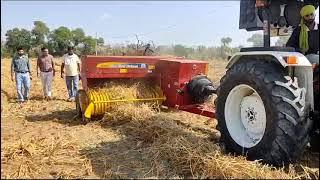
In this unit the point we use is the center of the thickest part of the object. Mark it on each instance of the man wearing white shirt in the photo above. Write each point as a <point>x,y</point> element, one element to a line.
<point>71,65</point>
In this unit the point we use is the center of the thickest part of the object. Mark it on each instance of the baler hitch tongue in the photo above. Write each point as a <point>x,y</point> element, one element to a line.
<point>100,101</point>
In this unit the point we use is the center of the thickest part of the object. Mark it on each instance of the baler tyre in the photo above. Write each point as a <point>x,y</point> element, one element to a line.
<point>78,109</point>
<point>81,94</point>
<point>276,99</point>
<point>85,120</point>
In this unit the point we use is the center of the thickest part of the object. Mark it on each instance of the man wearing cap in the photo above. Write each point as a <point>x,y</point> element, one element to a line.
<point>305,38</point>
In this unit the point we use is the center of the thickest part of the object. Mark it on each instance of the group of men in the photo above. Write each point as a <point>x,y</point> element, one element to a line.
<point>305,39</point>
<point>21,73</point>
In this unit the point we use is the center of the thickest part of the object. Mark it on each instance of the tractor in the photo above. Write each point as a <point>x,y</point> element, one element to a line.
<point>267,103</point>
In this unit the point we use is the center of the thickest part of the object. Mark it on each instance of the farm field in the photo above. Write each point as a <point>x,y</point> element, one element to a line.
<point>44,139</point>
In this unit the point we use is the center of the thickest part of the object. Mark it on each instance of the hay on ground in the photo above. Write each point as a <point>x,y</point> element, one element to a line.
<point>189,155</point>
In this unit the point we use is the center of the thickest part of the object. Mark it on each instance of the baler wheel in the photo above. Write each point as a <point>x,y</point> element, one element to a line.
<point>81,104</point>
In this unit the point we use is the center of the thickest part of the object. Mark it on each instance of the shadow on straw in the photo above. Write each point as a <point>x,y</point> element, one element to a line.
<point>9,97</point>
<point>41,98</point>
<point>67,117</point>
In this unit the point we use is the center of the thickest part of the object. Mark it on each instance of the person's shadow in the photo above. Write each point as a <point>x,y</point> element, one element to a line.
<point>67,117</point>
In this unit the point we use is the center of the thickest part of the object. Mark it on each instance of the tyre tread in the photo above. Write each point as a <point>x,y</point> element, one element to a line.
<point>289,139</point>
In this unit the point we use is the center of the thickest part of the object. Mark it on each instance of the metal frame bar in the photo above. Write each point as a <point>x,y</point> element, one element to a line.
<point>199,109</point>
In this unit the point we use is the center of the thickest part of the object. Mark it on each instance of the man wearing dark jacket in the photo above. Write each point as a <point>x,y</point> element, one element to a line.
<point>305,38</point>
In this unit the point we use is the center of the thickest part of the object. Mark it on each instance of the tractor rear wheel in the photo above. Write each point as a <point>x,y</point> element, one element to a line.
<point>261,113</point>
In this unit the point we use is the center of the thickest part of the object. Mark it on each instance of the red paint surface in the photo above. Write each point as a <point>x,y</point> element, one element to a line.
<point>170,73</point>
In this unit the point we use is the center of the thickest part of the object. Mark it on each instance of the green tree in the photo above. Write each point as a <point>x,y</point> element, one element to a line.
<point>226,41</point>
<point>256,40</point>
<point>88,45</point>
<point>4,50</point>
<point>60,39</point>
<point>224,49</point>
<point>18,38</point>
<point>100,41</point>
<point>78,36</point>
<point>180,50</point>
<point>39,33</point>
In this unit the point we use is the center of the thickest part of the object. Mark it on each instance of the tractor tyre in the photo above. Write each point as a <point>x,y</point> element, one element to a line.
<point>315,133</point>
<point>261,113</point>
<point>314,141</point>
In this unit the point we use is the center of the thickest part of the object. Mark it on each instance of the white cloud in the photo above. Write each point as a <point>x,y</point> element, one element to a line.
<point>105,16</point>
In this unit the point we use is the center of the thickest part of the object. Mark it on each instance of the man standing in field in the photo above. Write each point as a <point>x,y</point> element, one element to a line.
<point>21,68</point>
<point>71,65</point>
<point>46,65</point>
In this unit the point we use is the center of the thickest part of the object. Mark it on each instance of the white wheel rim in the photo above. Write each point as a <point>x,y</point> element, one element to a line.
<point>245,116</point>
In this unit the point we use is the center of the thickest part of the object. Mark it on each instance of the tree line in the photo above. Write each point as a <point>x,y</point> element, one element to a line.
<point>59,39</point>
<point>56,40</point>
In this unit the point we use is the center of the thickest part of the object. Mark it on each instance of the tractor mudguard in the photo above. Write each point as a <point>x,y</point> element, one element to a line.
<point>302,68</point>
<point>276,56</point>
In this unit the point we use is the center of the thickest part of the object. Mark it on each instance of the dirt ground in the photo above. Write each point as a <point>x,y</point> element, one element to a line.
<point>44,139</point>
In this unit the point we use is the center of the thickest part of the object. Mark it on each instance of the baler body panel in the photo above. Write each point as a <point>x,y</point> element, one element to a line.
<point>175,74</point>
<point>171,74</point>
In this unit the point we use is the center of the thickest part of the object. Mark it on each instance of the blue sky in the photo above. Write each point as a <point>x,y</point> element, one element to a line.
<point>164,22</point>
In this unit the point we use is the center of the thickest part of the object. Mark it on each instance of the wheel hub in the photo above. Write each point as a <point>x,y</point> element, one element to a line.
<point>252,114</point>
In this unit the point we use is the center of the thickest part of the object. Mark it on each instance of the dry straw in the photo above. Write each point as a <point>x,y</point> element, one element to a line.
<point>191,156</point>
<point>169,146</point>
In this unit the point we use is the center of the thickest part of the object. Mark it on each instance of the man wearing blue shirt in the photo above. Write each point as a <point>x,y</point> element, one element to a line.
<point>21,68</point>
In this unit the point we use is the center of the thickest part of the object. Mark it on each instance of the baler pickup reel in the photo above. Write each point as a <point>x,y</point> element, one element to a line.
<point>95,102</point>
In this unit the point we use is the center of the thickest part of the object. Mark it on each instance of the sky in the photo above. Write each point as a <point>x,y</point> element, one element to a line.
<point>164,22</point>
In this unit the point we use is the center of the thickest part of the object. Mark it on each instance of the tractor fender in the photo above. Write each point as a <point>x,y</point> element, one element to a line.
<point>276,56</point>
<point>302,69</point>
